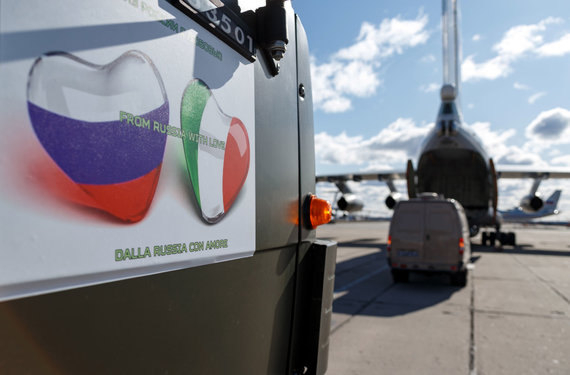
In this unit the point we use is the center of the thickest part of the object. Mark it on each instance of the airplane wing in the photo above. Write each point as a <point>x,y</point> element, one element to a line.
<point>525,172</point>
<point>349,202</point>
<point>376,176</point>
<point>502,172</point>
<point>531,202</point>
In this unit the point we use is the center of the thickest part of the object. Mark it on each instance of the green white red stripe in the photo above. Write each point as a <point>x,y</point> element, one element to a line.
<point>216,148</point>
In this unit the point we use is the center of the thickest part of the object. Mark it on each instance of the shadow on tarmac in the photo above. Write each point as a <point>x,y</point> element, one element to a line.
<point>374,292</point>
<point>523,249</point>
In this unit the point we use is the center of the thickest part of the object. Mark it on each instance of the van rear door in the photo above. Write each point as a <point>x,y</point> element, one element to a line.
<point>442,233</point>
<point>407,232</point>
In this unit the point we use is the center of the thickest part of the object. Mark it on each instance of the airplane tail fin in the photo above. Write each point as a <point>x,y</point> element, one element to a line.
<point>451,44</point>
<point>552,201</point>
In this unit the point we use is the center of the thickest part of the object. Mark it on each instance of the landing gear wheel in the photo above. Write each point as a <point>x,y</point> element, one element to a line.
<point>492,239</point>
<point>400,276</point>
<point>502,238</point>
<point>511,239</point>
<point>459,278</point>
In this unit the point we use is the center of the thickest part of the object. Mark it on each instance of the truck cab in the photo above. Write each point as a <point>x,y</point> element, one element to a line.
<point>157,173</point>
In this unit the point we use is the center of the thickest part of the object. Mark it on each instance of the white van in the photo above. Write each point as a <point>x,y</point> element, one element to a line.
<point>429,234</point>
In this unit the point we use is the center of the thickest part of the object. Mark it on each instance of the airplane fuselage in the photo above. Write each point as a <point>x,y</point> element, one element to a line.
<point>453,162</point>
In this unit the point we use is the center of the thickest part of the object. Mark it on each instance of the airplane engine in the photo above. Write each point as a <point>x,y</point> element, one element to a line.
<point>392,199</point>
<point>531,203</point>
<point>350,203</point>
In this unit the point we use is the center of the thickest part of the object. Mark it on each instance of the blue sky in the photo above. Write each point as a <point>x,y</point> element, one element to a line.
<point>376,71</point>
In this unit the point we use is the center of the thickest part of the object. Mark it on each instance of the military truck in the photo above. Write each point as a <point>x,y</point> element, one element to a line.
<point>157,172</point>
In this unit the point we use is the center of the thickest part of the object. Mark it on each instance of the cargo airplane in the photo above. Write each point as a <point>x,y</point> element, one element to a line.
<point>452,160</point>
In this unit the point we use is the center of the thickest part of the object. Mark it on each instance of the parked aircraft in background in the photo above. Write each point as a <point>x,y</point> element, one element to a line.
<point>517,214</point>
<point>452,159</point>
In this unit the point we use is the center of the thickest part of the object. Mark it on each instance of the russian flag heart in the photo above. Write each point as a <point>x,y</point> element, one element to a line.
<point>75,108</point>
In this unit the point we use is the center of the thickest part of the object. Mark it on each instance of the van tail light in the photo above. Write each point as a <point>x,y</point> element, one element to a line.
<point>389,244</point>
<point>461,246</point>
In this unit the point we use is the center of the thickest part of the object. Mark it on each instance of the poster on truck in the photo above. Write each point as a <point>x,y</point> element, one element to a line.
<point>126,145</point>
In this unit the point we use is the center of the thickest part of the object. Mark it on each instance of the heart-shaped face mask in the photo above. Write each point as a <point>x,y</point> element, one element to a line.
<point>216,148</point>
<point>96,123</point>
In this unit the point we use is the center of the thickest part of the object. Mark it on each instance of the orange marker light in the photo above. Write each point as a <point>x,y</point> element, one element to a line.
<point>389,244</point>
<point>461,246</point>
<point>320,211</point>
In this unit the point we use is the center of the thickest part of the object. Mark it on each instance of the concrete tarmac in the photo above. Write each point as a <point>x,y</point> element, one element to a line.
<point>513,317</point>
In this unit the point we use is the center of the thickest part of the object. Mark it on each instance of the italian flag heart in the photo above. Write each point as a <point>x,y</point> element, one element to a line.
<point>216,149</point>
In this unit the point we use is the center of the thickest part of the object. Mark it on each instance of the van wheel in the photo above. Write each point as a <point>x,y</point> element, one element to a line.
<point>484,238</point>
<point>400,276</point>
<point>458,278</point>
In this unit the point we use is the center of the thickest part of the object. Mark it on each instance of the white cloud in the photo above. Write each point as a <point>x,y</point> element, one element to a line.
<point>490,69</point>
<point>336,105</point>
<point>496,144</point>
<point>402,134</point>
<point>357,79</point>
<point>391,147</point>
<point>520,86</point>
<point>353,71</point>
<point>518,42</point>
<point>476,38</point>
<point>492,140</point>
<point>533,98</point>
<point>390,37</point>
<point>562,160</point>
<point>432,87</point>
<point>521,39</point>
<point>514,155</point>
<point>340,149</point>
<point>549,128</point>
<point>399,141</point>
<point>559,47</point>
<point>333,82</point>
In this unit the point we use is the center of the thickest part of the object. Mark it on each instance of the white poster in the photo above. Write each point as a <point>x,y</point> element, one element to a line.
<point>127,144</point>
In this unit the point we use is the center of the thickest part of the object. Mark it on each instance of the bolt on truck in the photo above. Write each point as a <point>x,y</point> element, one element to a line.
<point>157,173</point>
